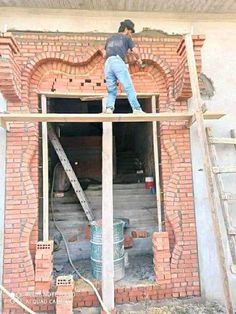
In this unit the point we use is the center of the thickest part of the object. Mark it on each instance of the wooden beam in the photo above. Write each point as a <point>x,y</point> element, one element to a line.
<point>197,102</point>
<point>5,125</point>
<point>107,218</point>
<point>94,96</point>
<point>233,134</point>
<point>193,119</point>
<point>156,163</point>
<point>45,170</point>
<point>228,196</point>
<point>224,169</point>
<point>222,140</point>
<point>103,117</point>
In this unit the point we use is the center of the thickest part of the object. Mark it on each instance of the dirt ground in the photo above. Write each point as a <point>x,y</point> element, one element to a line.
<point>170,306</point>
<point>210,308</point>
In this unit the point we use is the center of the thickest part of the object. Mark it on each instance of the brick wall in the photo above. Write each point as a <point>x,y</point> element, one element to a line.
<point>74,63</point>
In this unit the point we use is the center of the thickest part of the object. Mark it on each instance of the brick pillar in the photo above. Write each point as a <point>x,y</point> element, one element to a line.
<point>65,286</point>
<point>10,80</point>
<point>43,265</point>
<point>161,251</point>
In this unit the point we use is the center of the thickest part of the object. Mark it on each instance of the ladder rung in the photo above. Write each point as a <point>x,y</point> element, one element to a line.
<point>231,230</point>
<point>233,268</point>
<point>224,169</point>
<point>70,173</point>
<point>228,196</point>
<point>222,140</point>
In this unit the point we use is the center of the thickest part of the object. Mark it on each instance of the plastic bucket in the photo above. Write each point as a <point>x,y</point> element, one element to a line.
<point>149,183</point>
<point>118,247</point>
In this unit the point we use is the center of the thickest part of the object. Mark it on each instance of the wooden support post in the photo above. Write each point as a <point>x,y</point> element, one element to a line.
<point>104,103</point>
<point>156,163</point>
<point>107,218</point>
<point>45,170</point>
<point>197,102</point>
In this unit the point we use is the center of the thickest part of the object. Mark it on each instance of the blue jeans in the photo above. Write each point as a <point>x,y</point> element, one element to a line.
<point>116,70</point>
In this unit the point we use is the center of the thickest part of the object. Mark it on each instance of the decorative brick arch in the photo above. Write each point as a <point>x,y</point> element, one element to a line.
<point>158,79</point>
<point>31,71</point>
<point>160,63</point>
<point>157,66</point>
<point>43,70</point>
<point>81,55</point>
<point>39,69</point>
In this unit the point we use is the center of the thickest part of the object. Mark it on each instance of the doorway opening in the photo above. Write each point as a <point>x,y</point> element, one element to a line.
<point>132,161</point>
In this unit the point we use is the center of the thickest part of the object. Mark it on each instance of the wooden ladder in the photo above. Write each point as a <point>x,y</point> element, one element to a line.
<point>70,173</point>
<point>225,197</point>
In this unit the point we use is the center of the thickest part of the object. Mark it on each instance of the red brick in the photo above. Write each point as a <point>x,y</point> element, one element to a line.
<point>128,241</point>
<point>139,234</point>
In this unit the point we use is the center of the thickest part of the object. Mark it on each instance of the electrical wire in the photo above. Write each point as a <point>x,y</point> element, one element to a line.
<point>11,296</point>
<point>67,248</point>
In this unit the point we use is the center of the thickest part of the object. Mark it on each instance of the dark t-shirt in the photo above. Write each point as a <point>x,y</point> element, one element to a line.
<point>118,44</point>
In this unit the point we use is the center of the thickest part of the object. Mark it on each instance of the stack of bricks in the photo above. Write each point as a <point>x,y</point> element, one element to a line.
<point>140,234</point>
<point>87,232</point>
<point>128,241</point>
<point>64,294</point>
<point>43,266</point>
<point>161,251</point>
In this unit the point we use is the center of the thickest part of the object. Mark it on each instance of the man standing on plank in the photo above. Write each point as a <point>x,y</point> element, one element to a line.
<point>115,68</point>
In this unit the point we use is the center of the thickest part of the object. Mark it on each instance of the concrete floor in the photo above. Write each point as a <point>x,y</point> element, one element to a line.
<point>140,269</point>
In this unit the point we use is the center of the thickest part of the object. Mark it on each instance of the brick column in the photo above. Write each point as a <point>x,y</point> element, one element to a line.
<point>161,251</point>
<point>43,265</point>
<point>10,80</point>
<point>65,286</point>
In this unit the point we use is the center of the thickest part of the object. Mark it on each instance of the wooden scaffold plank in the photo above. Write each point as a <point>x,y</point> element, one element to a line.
<point>103,117</point>
<point>94,96</point>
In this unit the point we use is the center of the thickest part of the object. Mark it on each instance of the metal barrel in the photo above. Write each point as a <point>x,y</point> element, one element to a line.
<point>118,247</point>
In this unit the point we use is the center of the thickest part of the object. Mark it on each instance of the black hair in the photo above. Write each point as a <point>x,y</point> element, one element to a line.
<point>126,24</point>
<point>122,27</point>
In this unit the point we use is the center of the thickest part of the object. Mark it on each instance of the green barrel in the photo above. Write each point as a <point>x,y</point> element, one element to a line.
<point>118,246</point>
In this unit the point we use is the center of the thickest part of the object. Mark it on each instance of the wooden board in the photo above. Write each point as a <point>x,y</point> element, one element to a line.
<point>228,196</point>
<point>45,171</point>
<point>222,140</point>
<point>224,169</point>
<point>156,164</point>
<point>107,218</point>
<point>95,96</point>
<point>84,118</point>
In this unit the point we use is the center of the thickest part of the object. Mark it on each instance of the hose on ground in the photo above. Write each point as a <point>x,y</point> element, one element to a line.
<point>67,248</point>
